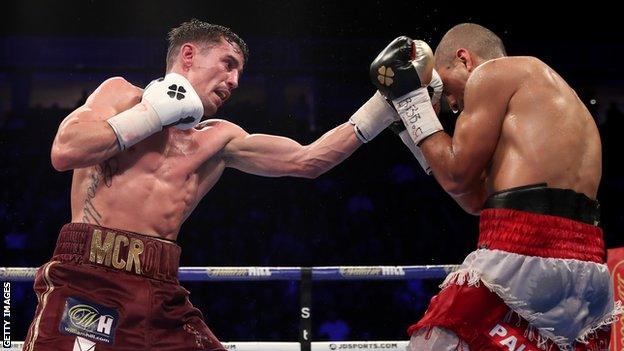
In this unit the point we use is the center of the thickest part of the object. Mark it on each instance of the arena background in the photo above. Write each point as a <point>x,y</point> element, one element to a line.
<point>307,73</point>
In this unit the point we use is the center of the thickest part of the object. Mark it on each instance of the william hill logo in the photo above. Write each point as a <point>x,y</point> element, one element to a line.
<point>372,271</point>
<point>89,320</point>
<point>239,272</point>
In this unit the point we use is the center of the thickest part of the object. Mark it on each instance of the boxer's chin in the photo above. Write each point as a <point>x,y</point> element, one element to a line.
<point>210,109</point>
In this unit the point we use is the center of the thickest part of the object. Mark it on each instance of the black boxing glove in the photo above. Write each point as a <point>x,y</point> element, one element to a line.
<point>401,72</point>
<point>403,66</point>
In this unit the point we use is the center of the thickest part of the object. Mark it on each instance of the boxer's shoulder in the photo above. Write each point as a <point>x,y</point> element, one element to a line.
<point>216,123</point>
<point>511,66</point>
<point>116,90</point>
<point>517,71</point>
<point>119,85</point>
<point>223,128</point>
<point>500,73</point>
<point>496,67</point>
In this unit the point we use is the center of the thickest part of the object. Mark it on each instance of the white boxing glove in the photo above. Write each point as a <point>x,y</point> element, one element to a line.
<point>373,117</point>
<point>175,101</point>
<point>168,101</point>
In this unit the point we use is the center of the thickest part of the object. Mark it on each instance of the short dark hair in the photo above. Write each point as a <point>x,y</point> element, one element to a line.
<point>478,39</point>
<point>196,31</point>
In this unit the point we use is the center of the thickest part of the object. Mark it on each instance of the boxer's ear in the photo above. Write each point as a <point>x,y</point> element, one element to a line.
<point>187,53</point>
<point>465,58</point>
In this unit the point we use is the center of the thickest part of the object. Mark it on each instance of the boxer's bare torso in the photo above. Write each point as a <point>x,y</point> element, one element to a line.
<point>521,124</point>
<point>152,187</point>
<point>548,135</point>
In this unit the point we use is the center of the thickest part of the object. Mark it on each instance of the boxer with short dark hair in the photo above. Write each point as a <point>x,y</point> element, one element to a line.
<point>525,156</point>
<point>208,34</point>
<point>141,162</point>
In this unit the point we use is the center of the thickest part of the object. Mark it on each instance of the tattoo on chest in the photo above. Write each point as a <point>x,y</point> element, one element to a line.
<point>107,170</point>
<point>103,173</point>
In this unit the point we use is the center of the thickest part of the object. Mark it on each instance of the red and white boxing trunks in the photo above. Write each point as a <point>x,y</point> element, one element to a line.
<point>537,282</point>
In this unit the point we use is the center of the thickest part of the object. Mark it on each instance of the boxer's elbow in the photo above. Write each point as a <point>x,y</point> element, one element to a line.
<point>472,209</point>
<point>470,198</point>
<point>454,186</point>
<point>60,162</point>
<point>459,182</point>
<point>62,154</point>
<point>66,157</point>
<point>471,203</point>
<point>61,158</point>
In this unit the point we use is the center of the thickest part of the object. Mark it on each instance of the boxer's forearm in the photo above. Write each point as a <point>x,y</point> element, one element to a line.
<point>329,150</point>
<point>452,173</point>
<point>83,143</point>
<point>275,156</point>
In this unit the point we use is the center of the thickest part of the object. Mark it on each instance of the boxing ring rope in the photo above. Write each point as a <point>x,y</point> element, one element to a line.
<point>305,275</point>
<point>220,274</point>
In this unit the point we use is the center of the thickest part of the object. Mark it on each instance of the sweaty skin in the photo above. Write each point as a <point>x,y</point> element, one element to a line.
<point>520,124</point>
<point>152,187</point>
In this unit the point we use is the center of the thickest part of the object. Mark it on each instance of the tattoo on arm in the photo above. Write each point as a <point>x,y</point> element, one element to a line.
<point>103,172</point>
